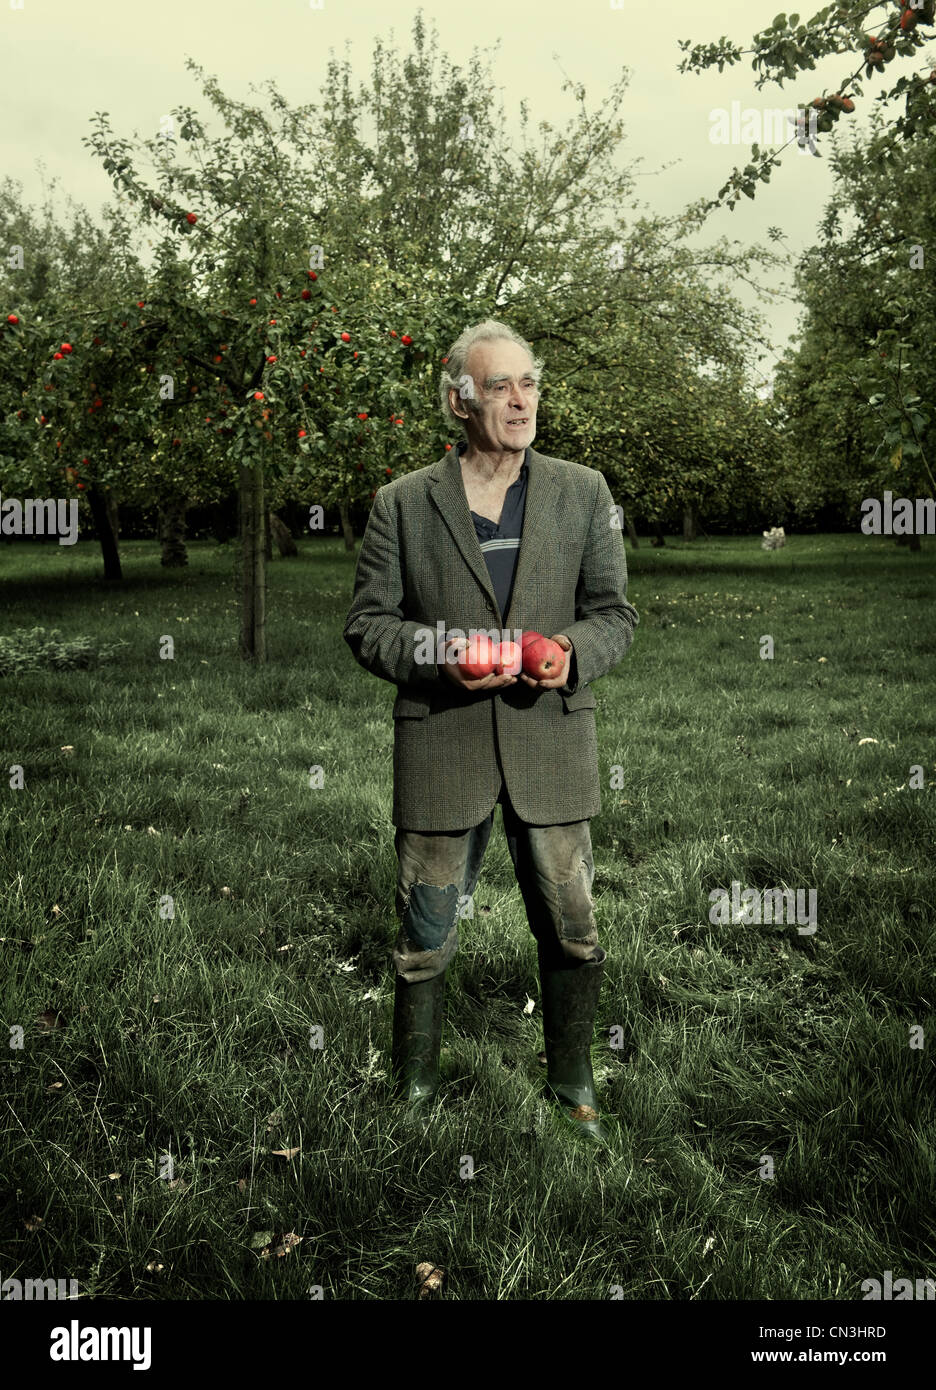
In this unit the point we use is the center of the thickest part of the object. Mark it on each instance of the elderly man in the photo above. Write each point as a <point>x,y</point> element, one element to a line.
<point>493,538</point>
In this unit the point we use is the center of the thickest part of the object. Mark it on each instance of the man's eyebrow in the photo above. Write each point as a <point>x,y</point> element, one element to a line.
<point>493,380</point>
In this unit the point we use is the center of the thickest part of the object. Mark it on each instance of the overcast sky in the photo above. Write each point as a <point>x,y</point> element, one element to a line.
<point>64,60</point>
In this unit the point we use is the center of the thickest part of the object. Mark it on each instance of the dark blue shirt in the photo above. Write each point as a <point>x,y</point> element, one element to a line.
<point>500,541</point>
<point>500,544</point>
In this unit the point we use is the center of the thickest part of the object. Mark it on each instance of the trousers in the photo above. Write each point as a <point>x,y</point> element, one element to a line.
<point>438,872</point>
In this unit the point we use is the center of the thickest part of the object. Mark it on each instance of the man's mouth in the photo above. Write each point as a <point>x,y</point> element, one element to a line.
<point>525,421</point>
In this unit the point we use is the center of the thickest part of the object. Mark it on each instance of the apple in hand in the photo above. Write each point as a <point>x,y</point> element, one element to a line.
<point>509,659</point>
<point>528,637</point>
<point>543,659</point>
<point>478,659</point>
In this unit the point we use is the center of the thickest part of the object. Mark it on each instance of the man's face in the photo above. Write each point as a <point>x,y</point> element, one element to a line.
<point>507,395</point>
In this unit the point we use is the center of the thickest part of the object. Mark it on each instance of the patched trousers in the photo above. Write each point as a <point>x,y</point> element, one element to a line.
<point>438,872</point>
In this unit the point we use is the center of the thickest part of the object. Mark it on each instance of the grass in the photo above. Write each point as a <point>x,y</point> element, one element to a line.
<point>181,907</point>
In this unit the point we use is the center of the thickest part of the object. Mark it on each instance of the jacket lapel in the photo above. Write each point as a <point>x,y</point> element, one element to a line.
<point>447,492</point>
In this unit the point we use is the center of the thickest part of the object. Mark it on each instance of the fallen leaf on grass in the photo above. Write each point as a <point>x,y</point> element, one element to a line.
<point>284,1153</point>
<point>49,1020</point>
<point>33,1223</point>
<point>429,1278</point>
<point>275,1245</point>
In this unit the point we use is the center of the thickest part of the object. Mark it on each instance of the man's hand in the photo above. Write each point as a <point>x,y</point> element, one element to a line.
<point>451,669</point>
<point>554,682</point>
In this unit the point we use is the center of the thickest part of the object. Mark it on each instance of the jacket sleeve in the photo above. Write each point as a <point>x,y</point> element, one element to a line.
<point>382,641</point>
<point>604,621</point>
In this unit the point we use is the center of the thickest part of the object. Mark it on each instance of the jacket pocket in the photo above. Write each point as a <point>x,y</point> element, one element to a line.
<point>411,707</point>
<point>580,699</point>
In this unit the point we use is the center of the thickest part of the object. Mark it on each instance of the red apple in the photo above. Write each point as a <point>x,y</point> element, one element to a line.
<point>477,660</point>
<point>509,659</point>
<point>66,347</point>
<point>406,340</point>
<point>528,637</point>
<point>543,659</point>
<point>12,318</point>
<point>346,337</point>
<point>191,218</point>
<point>306,294</point>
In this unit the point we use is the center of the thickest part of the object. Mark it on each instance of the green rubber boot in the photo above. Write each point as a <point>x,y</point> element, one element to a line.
<point>417,1042</point>
<point>570,1003</point>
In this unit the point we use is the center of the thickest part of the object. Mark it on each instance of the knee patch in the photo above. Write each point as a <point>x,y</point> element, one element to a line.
<point>430,914</point>
<point>576,913</point>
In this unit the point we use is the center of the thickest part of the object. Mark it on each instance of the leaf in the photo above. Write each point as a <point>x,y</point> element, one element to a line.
<point>49,1020</point>
<point>285,1153</point>
<point>429,1279</point>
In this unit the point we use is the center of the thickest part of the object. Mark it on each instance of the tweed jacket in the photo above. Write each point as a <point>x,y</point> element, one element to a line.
<point>420,572</point>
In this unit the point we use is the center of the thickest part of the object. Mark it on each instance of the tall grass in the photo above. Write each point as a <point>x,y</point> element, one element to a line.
<point>774,1125</point>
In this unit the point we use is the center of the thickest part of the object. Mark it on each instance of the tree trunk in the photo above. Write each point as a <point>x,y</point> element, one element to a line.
<point>632,533</point>
<point>105,535</point>
<point>346,527</point>
<point>282,535</point>
<point>250,571</point>
<point>658,537</point>
<point>689,522</point>
<point>267,536</point>
<point>113,512</point>
<point>172,511</point>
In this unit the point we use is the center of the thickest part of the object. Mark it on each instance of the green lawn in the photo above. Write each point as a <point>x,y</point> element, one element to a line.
<point>190,1032</point>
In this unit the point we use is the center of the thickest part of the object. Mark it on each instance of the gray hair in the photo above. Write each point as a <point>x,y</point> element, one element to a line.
<point>454,375</point>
